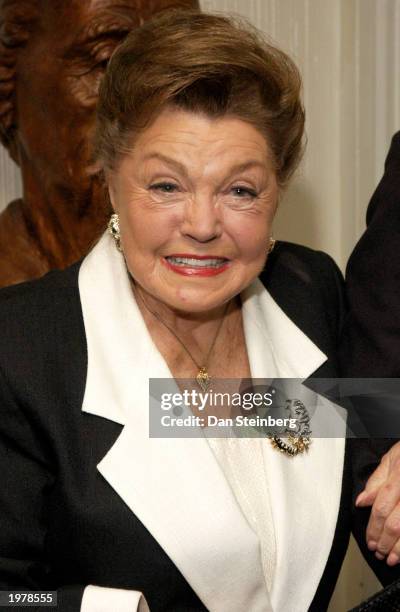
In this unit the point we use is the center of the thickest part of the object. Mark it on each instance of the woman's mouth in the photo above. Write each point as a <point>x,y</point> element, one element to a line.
<point>196,265</point>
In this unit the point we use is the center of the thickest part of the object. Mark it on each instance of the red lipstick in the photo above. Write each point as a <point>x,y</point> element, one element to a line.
<point>185,264</point>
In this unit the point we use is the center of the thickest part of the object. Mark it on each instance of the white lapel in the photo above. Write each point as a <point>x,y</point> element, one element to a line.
<point>305,489</point>
<point>174,486</point>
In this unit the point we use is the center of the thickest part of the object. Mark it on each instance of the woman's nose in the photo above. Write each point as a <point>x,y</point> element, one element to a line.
<point>202,219</point>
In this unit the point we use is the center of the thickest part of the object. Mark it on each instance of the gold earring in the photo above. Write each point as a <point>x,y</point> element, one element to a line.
<point>113,228</point>
<point>271,247</point>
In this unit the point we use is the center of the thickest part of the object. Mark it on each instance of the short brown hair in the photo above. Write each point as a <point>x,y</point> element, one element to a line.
<point>213,64</point>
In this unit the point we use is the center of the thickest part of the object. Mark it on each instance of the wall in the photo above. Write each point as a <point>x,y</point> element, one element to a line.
<point>10,180</point>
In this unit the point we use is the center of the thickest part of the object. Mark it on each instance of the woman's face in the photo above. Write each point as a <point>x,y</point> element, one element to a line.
<point>196,199</point>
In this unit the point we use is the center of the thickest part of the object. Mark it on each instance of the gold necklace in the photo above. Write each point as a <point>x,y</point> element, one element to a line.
<point>202,377</point>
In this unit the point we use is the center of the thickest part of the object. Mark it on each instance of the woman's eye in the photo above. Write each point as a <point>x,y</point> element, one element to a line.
<point>164,187</point>
<point>243,192</point>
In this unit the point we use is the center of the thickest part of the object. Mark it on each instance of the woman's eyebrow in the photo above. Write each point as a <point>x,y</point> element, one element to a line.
<point>167,160</point>
<point>240,167</point>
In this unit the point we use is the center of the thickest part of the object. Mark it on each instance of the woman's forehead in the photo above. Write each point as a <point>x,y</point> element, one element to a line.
<point>182,133</point>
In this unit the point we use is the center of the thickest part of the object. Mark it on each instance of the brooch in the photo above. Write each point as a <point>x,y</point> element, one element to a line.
<point>298,440</point>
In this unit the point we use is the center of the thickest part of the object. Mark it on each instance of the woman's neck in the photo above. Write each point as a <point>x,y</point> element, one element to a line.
<point>195,327</point>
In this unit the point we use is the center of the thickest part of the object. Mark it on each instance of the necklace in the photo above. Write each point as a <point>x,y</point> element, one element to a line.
<point>202,377</point>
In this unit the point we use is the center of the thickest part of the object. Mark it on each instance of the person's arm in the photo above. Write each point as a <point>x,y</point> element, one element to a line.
<point>27,473</point>
<point>370,340</point>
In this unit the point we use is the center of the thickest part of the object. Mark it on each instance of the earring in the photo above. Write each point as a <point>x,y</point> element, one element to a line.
<point>272,242</point>
<point>113,228</point>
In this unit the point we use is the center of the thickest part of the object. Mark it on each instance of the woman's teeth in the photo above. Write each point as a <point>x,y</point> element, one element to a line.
<point>196,263</point>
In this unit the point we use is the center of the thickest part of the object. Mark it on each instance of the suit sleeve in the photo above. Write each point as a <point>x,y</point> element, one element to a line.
<point>26,476</point>
<point>369,346</point>
<point>335,296</point>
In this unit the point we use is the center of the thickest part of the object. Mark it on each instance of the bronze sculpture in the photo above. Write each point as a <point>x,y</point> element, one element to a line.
<point>52,56</point>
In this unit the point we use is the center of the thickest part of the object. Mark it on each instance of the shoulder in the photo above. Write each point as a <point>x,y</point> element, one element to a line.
<point>301,260</point>
<point>294,271</point>
<point>39,294</point>
<point>309,287</point>
<point>42,326</point>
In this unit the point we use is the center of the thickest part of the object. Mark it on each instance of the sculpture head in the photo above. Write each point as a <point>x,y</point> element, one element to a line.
<point>52,57</point>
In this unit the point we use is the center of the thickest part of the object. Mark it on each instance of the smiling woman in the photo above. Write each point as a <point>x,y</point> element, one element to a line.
<point>195,149</point>
<point>199,127</point>
<point>196,198</point>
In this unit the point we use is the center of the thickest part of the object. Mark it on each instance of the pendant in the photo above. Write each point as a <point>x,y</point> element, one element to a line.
<point>203,379</point>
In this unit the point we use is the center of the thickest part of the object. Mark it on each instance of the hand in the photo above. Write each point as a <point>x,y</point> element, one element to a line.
<point>382,491</point>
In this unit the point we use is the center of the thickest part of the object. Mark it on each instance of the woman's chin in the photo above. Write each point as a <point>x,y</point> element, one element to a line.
<point>196,302</point>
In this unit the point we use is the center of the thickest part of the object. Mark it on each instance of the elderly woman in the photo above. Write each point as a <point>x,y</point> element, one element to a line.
<point>200,126</point>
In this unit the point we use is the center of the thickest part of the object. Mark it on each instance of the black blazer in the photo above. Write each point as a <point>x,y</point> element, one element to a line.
<point>62,525</point>
<point>371,334</point>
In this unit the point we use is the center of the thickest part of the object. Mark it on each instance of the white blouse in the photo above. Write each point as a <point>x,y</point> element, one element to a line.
<point>243,463</point>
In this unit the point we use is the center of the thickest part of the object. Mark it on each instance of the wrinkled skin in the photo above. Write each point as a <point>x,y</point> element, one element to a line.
<point>64,206</point>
